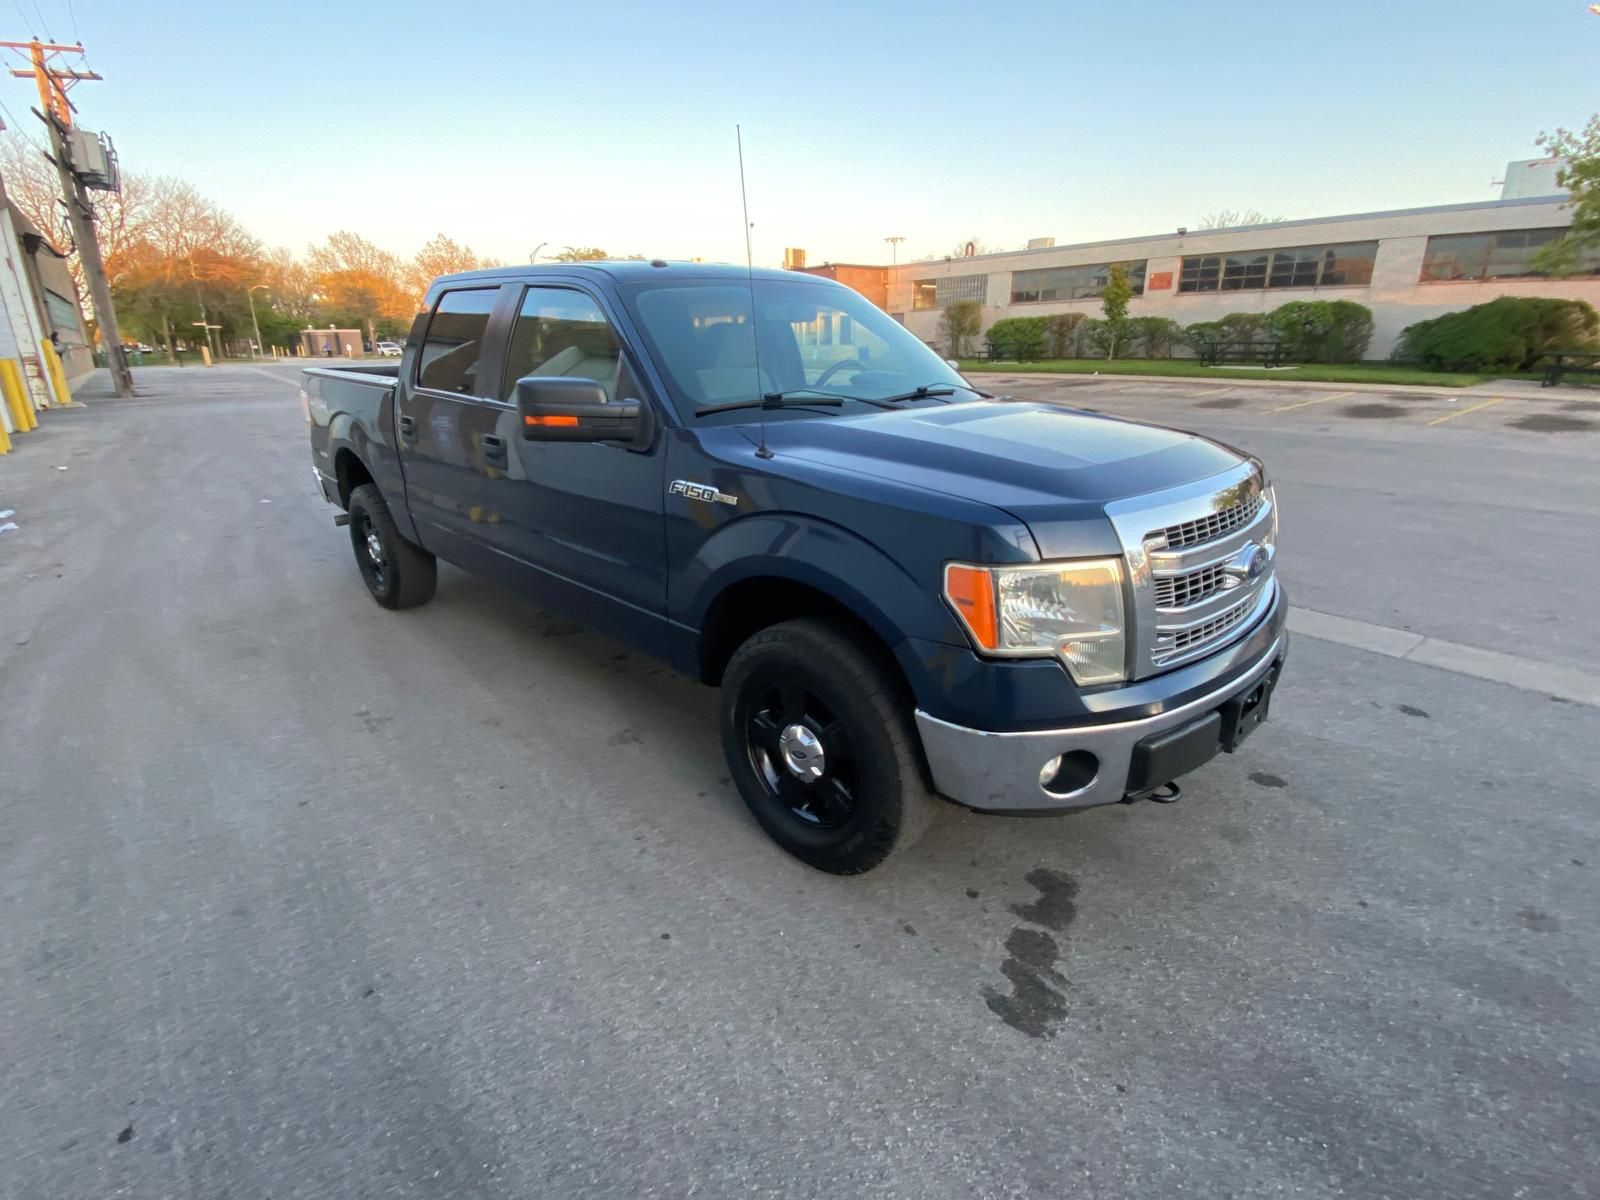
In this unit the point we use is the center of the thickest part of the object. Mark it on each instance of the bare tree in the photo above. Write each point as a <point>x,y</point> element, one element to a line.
<point>443,256</point>
<point>1227,218</point>
<point>360,281</point>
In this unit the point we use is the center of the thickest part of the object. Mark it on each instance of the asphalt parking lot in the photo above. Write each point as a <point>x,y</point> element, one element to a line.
<point>303,898</point>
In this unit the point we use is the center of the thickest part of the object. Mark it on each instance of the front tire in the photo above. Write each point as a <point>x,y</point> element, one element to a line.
<point>819,742</point>
<point>398,573</point>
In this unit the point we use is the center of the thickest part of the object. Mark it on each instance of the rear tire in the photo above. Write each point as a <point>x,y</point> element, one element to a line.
<point>398,573</point>
<point>819,742</point>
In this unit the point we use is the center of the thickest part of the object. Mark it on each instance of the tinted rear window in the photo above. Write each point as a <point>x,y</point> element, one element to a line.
<point>454,341</point>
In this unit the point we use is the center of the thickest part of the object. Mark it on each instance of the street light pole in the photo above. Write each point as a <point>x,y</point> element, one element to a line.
<point>894,249</point>
<point>534,256</point>
<point>254,324</point>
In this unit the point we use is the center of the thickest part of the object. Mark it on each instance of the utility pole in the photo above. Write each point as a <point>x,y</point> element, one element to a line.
<point>57,114</point>
<point>255,324</point>
<point>216,350</point>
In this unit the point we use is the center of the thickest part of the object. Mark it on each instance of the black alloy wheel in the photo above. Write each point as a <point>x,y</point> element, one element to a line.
<point>802,753</point>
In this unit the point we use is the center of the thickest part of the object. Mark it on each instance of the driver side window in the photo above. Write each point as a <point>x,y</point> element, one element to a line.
<point>561,332</point>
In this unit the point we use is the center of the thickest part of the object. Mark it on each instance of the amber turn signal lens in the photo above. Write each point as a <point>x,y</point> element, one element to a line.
<point>970,591</point>
<point>567,422</point>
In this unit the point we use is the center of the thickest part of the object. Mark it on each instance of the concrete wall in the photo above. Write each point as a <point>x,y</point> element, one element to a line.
<point>1396,296</point>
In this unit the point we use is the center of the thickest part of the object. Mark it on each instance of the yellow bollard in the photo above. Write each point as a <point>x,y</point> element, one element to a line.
<point>205,356</point>
<point>5,439</point>
<point>58,377</point>
<point>16,396</point>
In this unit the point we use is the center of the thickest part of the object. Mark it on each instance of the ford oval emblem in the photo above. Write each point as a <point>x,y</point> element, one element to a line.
<point>1250,563</point>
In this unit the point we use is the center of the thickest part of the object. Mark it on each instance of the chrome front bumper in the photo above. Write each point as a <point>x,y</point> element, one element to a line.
<point>1000,771</point>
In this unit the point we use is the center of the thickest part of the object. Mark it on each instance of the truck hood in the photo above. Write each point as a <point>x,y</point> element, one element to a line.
<point>1053,468</point>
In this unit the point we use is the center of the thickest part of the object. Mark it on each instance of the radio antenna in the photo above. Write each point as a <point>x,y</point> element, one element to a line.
<point>763,450</point>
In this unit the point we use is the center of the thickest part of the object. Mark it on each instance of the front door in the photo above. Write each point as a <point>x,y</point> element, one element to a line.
<point>443,421</point>
<point>583,519</point>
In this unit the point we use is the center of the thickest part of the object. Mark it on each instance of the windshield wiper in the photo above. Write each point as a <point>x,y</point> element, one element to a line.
<point>934,389</point>
<point>793,398</point>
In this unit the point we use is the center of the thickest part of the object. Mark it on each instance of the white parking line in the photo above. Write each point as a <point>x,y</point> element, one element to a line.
<point>1568,683</point>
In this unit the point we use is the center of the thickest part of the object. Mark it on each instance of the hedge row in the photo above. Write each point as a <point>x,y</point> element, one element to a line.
<point>1313,331</point>
<point>1511,333</point>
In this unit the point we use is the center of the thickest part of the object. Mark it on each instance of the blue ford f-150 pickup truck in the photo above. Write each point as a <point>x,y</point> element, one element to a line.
<point>904,587</point>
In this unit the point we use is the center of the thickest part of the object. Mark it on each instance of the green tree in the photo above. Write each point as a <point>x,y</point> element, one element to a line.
<point>580,254</point>
<point>1061,334</point>
<point>1581,177</point>
<point>1114,299</point>
<point>959,321</point>
<point>1153,337</point>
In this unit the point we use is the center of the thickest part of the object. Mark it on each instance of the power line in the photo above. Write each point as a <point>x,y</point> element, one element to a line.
<point>73,13</point>
<point>26,23</point>
<point>40,15</point>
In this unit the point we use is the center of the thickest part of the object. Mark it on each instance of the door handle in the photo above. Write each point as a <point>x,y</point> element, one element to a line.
<point>494,446</point>
<point>408,426</point>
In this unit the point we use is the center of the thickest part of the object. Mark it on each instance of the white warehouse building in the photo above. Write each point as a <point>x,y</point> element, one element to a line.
<point>1405,265</point>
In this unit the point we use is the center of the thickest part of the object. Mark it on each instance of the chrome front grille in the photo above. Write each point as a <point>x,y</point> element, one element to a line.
<point>1207,528</point>
<point>1200,565</point>
<point>1195,636</point>
<point>1180,591</point>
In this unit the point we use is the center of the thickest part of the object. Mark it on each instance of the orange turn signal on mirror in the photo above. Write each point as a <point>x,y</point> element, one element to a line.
<point>566,422</point>
<point>970,591</point>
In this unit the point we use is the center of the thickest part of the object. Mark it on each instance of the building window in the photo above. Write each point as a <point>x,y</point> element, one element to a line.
<point>1505,254</point>
<point>963,287</point>
<point>1298,267</point>
<point>945,291</point>
<point>1069,283</point>
<point>1244,272</point>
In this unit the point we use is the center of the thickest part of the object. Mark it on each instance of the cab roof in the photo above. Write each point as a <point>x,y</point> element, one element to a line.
<point>631,270</point>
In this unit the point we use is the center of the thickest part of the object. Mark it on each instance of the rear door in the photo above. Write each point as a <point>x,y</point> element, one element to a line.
<point>443,421</point>
<point>582,520</point>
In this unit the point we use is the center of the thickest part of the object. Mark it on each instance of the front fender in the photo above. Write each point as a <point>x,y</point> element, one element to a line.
<point>878,589</point>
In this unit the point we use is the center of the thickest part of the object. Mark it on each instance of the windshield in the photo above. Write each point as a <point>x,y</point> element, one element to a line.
<point>816,339</point>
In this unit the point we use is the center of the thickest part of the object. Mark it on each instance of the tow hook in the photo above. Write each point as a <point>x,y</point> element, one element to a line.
<point>341,519</point>
<point>1167,793</point>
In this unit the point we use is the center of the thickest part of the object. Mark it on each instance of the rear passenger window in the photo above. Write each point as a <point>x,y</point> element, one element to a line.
<point>450,351</point>
<point>561,332</point>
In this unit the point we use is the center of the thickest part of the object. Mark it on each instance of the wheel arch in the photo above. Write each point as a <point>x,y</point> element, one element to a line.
<point>350,472</point>
<point>777,567</point>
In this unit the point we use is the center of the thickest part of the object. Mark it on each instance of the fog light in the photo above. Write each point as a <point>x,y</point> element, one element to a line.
<point>1068,773</point>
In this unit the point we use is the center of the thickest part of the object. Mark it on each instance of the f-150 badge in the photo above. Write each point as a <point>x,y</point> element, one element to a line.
<point>700,491</point>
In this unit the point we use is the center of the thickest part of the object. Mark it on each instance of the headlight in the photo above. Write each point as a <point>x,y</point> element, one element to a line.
<point>1072,610</point>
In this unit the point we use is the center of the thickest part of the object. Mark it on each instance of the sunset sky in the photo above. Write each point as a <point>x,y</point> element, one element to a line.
<point>612,124</point>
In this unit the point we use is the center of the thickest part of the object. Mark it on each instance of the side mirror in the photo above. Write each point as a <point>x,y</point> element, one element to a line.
<point>558,409</point>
